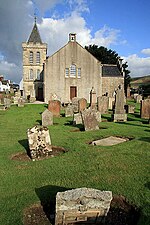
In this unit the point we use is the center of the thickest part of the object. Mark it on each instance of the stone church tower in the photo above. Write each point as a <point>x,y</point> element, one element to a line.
<point>34,55</point>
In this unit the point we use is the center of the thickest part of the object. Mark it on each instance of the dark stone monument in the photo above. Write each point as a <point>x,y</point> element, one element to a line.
<point>119,112</point>
<point>54,107</point>
<point>47,118</point>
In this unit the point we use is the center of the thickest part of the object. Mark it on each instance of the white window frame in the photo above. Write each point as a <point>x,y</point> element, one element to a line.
<point>73,70</point>
<point>37,57</point>
<point>31,57</point>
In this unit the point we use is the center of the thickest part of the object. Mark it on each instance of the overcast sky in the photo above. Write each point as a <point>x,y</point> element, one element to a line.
<point>122,26</point>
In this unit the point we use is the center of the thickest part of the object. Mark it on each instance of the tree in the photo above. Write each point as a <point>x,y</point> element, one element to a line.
<point>108,56</point>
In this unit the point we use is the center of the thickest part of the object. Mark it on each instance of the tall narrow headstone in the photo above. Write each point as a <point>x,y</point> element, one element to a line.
<point>145,109</point>
<point>93,99</point>
<point>75,104</point>
<point>119,112</point>
<point>103,104</point>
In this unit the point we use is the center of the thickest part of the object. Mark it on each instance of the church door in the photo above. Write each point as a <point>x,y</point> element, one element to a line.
<point>73,92</point>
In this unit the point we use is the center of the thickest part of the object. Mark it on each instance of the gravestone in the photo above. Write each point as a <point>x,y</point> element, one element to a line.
<point>82,205</point>
<point>119,112</point>
<point>54,107</point>
<point>128,92</point>
<point>111,102</point>
<point>145,109</point>
<point>130,108</point>
<point>1,98</point>
<point>75,104</point>
<point>21,102</point>
<point>93,99</point>
<point>90,119</point>
<point>77,119</point>
<point>138,98</point>
<point>39,142</point>
<point>47,118</point>
<point>7,103</point>
<point>102,104</point>
<point>82,104</point>
<point>16,98</point>
<point>69,111</point>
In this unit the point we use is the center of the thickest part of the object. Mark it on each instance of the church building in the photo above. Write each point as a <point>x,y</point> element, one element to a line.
<point>70,72</point>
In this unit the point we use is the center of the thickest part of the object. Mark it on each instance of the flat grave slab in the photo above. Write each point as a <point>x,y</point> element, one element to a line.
<point>109,141</point>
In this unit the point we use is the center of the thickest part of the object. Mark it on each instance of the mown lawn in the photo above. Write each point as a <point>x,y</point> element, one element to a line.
<point>123,169</point>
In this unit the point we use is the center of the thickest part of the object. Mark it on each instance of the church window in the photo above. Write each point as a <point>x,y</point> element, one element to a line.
<point>79,72</point>
<point>31,74</point>
<point>31,57</point>
<point>38,57</point>
<point>73,70</point>
<point>38,74</point>
<point>67,72</point>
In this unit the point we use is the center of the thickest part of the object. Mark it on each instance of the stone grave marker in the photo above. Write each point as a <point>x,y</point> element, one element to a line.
<point>145,109</point>
<point>7,102</point>
<point>103,104</point>
<point>93,99</point>
<point>130,108</point>
<point>75,104</point>
<point>47,118</point>
<point>90,119</point>
<point>54,107</point>
<point>119,114</point>
<point>21,102</point>
<point>138,98</point>
<point>68,111</point>
<point>39,142</point>
<point>82,104</point>
<point>77,119</point>
<point>111,102</point>
<point>82,205</point>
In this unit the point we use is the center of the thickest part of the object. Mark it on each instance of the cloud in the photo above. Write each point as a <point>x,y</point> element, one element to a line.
<point>146,51</point>
<point>138,66</point>
<point>9,70</point>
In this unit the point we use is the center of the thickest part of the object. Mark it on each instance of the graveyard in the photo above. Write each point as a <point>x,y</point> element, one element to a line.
<point>122,168</point>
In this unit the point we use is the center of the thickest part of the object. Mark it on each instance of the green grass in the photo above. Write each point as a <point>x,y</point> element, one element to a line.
<point>123,169</point>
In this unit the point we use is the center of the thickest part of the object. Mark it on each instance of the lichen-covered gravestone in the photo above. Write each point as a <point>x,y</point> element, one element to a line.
<point>102,104</point>
<point>39,142</point>
<point>69,111</point>
<point>82,205</point>
<point>91,119</point>
<point>54,107</point>
<point>82,104</point>
<point>47,118</point>
<point>145,109</point>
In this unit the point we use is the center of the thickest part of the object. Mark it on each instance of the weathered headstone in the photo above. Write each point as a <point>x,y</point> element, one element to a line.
<point>103,104</point>
<point>119,114</point>
<point>7,102</point>
<point>82,205</point>
<point>54,107</point>
<point>75,104</point>
<point>90,119</point>
<point>77,119</point>
<point>39,142</point>
<point>138,98</point>
<point>145,109</point>
<point>111,102</point>
<point>130,108</point>
<point>16,98</point>
<point>93,99</point>
<point>82,104</point>
<point>21,102</point>
<point>47,118</point>
<point>69,111</point>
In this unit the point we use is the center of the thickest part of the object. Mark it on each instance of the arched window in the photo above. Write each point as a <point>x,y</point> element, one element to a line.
<point>31,74</point>
<point>31,57</point>
<point>73,70</point>
<point>38,74</point>
<point>38,57</point>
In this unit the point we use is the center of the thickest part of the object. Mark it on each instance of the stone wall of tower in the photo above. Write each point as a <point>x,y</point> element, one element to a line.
<point>30,86</point>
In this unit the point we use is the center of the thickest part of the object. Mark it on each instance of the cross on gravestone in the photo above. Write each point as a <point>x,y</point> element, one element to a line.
<point>47,118</point>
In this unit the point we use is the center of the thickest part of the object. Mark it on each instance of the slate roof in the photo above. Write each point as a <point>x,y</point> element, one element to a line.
<point>35,35</point>
<point>110,71</point>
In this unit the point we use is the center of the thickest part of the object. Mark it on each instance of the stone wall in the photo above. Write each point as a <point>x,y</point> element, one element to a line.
<point>110,84</point>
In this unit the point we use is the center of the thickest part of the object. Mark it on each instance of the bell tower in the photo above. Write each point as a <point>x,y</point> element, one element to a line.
<point>34,55</point>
